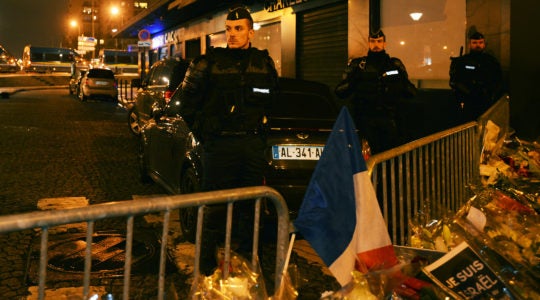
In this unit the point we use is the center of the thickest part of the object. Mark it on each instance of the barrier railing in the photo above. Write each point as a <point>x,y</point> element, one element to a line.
<point>44,220</point>
<point>126,91</point>
<point>431,175</point>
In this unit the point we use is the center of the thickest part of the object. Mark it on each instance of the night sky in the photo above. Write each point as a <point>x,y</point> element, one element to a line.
<point>36,22</point>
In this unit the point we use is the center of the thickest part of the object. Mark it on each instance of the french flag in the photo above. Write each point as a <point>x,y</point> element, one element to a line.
<point>340,216</point>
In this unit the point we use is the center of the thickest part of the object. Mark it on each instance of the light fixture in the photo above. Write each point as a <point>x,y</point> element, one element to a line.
<point>416,16</point>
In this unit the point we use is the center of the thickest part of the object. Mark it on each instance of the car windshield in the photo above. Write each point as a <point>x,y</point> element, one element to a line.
<point>300,104</point>
<point>100,73</point>
<point>303,104</point>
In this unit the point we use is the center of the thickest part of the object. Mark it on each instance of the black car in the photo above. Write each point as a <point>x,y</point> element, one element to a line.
<point>155,90</point>
<point>300,123</point>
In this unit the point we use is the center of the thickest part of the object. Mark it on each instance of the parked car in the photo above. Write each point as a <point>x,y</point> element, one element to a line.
<point>155,90</point>
<point>98,83</point>
<point>8,64</point>
<point>300,123</point>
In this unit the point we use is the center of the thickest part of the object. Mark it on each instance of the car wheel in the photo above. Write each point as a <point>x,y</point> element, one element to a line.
<point>188,216</point>
<point>143,169</point>
<point>133,121</point>
<point>70,90</point>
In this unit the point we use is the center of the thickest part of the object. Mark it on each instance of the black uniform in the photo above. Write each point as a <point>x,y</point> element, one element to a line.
<point>476,79</point>
<point>377,84</point>
<point>225,97</point>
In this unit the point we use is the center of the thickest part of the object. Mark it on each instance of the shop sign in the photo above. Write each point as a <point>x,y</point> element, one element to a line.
<point>273,5</point>
<point>158,41</point>
<point>173,37</point>
<point>463,274</point>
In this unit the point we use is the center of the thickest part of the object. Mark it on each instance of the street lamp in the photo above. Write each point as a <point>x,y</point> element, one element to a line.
<point>74,24</point>
<point>116,13</point>
<point>115,10</point>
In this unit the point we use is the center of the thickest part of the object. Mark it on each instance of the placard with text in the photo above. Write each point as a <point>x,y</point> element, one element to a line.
<point>463,274</point>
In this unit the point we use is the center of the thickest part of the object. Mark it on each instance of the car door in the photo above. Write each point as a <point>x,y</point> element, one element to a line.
<point>152,92</point>
<point>169,138</point>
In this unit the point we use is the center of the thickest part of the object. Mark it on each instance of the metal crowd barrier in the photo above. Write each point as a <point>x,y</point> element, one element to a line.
<point>44,220</point>
<point>126,90</point>
<point>429,177</point>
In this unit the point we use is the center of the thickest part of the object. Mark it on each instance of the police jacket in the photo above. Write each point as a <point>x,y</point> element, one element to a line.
<point>476,76</point>
<point>228,90</point>
<point>374,81</point>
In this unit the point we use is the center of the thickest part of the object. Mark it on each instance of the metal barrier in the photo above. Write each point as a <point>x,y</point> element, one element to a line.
<point>431,175</point>
<point>129,209</point>
<point>126,90</point>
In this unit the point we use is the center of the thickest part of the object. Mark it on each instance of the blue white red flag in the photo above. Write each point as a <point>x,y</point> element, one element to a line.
<point>340,216</point>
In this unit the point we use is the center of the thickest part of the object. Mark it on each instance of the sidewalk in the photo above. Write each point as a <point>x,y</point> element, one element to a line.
<point>13,90</point>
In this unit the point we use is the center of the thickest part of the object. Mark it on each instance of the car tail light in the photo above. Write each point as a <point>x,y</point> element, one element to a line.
<point>167,95</point>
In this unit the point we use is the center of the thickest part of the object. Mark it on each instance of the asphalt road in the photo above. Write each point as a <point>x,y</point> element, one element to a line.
<point>53,146</point>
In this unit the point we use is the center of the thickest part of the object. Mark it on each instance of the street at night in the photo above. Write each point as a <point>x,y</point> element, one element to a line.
<point>56,149</point>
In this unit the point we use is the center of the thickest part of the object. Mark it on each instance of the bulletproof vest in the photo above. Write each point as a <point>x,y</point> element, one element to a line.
<point>474,76</point>
<point>379,81</point>
<point>242,84</point>
<point>467,70</point>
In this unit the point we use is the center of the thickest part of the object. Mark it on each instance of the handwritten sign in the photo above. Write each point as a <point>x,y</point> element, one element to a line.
<point>463,274</point>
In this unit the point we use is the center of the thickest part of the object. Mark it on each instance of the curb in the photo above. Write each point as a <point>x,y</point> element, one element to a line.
<point>8,91</point>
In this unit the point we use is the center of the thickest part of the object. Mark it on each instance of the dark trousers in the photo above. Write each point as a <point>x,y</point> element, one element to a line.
<point>380,130</point>
<point>230,162</point>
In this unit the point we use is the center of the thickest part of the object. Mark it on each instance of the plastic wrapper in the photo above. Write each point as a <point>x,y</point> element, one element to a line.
<point>243,282</point>
<point>507,233</point>
<point>515,160</point>
<point>432,233</point>
<point>399,282</point>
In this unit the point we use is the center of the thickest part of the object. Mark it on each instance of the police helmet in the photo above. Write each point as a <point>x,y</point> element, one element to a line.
<point>476,36</point>
<point>377,34</point>
<point>238,13</point>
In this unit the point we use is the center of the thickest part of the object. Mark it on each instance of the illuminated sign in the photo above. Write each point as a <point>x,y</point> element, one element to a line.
<point>158,41</point>
<point>273,5</point>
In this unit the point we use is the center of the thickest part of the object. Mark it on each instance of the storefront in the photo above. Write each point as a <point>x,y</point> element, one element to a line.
<point>306,38</point>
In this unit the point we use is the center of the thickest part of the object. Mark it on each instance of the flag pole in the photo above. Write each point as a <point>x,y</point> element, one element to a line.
<point>285,267</point>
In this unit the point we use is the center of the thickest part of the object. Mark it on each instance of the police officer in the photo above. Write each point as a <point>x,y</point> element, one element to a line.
<point>377,84</point>
<point>225,98</point>
<point>476,79</point>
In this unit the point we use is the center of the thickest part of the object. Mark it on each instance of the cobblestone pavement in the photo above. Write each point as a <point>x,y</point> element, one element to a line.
<point>52,145</point>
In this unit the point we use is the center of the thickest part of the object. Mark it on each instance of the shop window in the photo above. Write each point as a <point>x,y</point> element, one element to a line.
<point>193,48</point>
<point>424,34</point>
<point>268,37</point>
<point>217,39</point>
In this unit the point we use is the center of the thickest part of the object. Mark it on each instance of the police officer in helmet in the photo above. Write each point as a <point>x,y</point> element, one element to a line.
<point>475,79</point>
<point>377,84</point>
<point>225,98</point>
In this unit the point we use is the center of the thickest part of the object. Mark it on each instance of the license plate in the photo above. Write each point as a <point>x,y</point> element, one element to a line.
<point>297,152</point>
<point>102,82</point>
